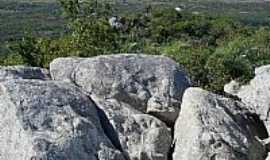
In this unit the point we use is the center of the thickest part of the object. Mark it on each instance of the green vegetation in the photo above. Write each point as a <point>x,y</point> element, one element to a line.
<point>213,49</point>
<point>42,17</point>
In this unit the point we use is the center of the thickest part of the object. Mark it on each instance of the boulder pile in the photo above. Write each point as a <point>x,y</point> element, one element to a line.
<point>128,107</point>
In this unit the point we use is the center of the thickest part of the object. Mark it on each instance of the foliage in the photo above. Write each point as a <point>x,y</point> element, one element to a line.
<point>212,49</point>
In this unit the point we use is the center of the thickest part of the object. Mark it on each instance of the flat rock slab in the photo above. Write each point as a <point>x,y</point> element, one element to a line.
<point>46,120</point>
<point>151,84</point>
<point>213,127</point>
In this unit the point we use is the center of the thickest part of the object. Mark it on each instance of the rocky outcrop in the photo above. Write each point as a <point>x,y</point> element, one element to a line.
<point>141,136</point>
<point>256,93</point>
<point>213,127</point>
<point>123,107</point>
<point>50,121</point>
<point>23,72</point>
<point>151,84</point>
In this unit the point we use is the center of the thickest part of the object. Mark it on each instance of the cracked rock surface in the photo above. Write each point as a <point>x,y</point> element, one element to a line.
<point>128,107</point>
<point>141,136</point>
<point>151,84</point>
<point>46,120</point>
<point>211,127</point>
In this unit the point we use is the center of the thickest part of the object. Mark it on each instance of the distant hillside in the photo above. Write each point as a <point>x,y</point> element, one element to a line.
<point>18,16</point>
<point>43,16</point>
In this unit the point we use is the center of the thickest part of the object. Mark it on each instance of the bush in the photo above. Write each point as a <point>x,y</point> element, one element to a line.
<point>192,58</point>
<point>214,50</point>
<point>11,59</point>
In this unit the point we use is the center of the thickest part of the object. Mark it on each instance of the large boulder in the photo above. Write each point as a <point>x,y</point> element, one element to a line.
<point>141,136</point>
<point>213,127</point>
<point>151,84</point>
<point>256,93</point>
<point>46,120</point>
<point>23,72</point>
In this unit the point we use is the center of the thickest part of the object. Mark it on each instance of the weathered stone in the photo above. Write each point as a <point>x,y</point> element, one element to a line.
<point>213,127</point>
<point>23,72</point>
<point>256,93</point>
<point>46,120</point>
<point>62,68</point>
<point>141,136</point>
<point>151,84</point>
<point>232,87</point>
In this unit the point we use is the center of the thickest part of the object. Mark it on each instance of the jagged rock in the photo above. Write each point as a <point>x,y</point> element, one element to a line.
<point>256,93</point>
<point>23,72</point>
<point>213,127</point>
<point>141,136</point>
<point>151,84</point>
<point>50,121</point>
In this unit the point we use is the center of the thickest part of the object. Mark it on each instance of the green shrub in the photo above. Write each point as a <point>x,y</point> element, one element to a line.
<point>223,67</point>
<point>192,58</point>
<point>11,59</point>
<point>213,50</point>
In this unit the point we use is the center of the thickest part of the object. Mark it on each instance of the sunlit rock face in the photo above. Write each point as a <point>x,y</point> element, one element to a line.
<point>50,121</point>
<point>128,107</point>
<point>255,93</point>
<point>213,127</point>
<point>151,84</point>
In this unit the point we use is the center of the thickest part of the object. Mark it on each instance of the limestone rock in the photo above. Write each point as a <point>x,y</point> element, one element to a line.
<point>23,72</point>
<point>141,136</point>
<point>213,127</point>
<point>151,84</point>
<point>256,93</point>
<point>50,121</point>
<point>62,68</point>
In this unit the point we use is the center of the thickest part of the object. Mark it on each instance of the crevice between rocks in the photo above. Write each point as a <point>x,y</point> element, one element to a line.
<point>112,134</point>
<point>107,127</point>
<point>109,130</point>
<point>171,151</point>
<point>258,125</point>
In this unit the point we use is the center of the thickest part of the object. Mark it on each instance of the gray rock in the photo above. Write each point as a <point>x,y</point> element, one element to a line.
<point>213,127</point>
<point>268,157</point>
<point>256,93</point>
<point>151,84</point>
<point>62,68</point>
<point>23,72</point>
<point>115,23</point>
<point>262,70</point>
<point>141,136</point>
<point>50,121</point>
<point>232,87</point>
